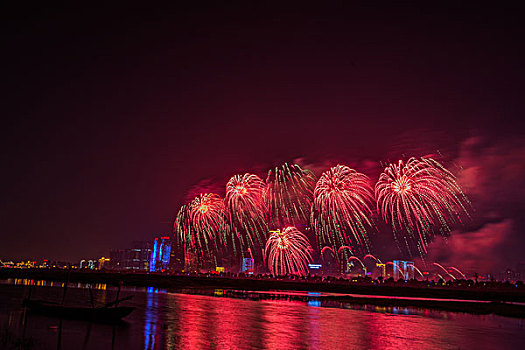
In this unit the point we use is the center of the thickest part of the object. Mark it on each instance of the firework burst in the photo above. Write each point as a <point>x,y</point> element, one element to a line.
<point>201,226</point>
<point>289,195</point>
<point>182,229</point>
<point>207,216</point>
<point>288,252</point>
<point>341,211</point>
<point>246,209</point>
<point>419,197</point>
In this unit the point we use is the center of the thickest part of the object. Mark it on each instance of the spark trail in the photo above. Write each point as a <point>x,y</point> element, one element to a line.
<point>418,198</point>
<point>288,252</point>
<point>246,210</point>
<point>289,195</point>
<point>342,208</point>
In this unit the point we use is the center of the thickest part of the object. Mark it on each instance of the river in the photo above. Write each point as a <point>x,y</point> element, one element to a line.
<point>193,319</point>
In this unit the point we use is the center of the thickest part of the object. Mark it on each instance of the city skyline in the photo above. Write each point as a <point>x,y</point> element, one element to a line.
<point>105,141</point>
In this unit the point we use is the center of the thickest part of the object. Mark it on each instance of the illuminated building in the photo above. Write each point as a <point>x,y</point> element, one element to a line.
<point>6,263</point>
<point>160,254</point>
<point>315,268</point>
<point>87,264</point>
<point>101,262</point>
<point>405,267</point>
<point>136,258</point>
<point>177,257</point>
<point>26,264</point>
<point>247,265</point>
<point>382,269</point>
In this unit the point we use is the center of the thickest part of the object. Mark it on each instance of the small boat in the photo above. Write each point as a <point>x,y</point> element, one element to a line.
<point>110,312</point>
<point>99,314</point>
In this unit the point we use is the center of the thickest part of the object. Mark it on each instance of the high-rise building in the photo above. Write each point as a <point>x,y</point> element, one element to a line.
<point>136,258</point>
<point>247,265</point>
<point>403,269</point>
<point>139,255</point>
<point>382,270</point>
<point>177,257</point>
<point>160,254</point>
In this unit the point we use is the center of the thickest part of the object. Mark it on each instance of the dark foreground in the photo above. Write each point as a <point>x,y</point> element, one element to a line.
<point>169,320</point>
<point>95,314</point>
<point>500,299</point>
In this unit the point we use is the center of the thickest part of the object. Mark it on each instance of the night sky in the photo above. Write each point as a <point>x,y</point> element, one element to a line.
<point>112,116</point>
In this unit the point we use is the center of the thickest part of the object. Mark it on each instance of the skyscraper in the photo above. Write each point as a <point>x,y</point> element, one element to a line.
<point>136,258</point>
<point>404,269</point>
<point>160,254</point>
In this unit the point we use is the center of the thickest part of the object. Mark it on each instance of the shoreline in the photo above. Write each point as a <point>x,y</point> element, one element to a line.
<point>459,306</point>
<point>474,300</point>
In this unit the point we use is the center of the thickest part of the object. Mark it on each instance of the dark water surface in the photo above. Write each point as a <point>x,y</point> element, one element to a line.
<point>169,320</point>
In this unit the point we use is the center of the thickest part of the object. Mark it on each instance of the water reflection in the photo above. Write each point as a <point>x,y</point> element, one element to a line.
<point>153,322</point>
<point>203,322</point>
<point>166,320</point>
<point>314,302</point>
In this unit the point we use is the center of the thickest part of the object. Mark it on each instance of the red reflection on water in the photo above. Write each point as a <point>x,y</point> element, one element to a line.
<point>193,322</point>
<point>391,331</point>
<point>286,326</point>
<point>341,329</point>
<point>232,319</point>
<point>205,322</point>
<point>201,322</point>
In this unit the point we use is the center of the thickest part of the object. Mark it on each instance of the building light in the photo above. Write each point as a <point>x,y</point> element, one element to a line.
<point>315,266</point>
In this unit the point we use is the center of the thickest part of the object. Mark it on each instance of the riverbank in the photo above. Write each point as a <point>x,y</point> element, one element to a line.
<point>502,292</point>
<point>475,307</point>
<point>500,301</point>
<point>216,318</point>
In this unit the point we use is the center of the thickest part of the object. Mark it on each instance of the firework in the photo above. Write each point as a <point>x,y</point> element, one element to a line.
<point>396,266</point>
<point>419,197</point>
<point>201,226</point>
<point>246,208</point>
<point>360,261</point>
<point>327,248</point>
<point>288,252</point>
<point>418,271</point>
<point>372,257</point>
<point>458,271</point>
<point>289,195</point>
<point>184,234</point>
<point>207,215</point>
<point>444,269</point>
<point>341,211</point>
